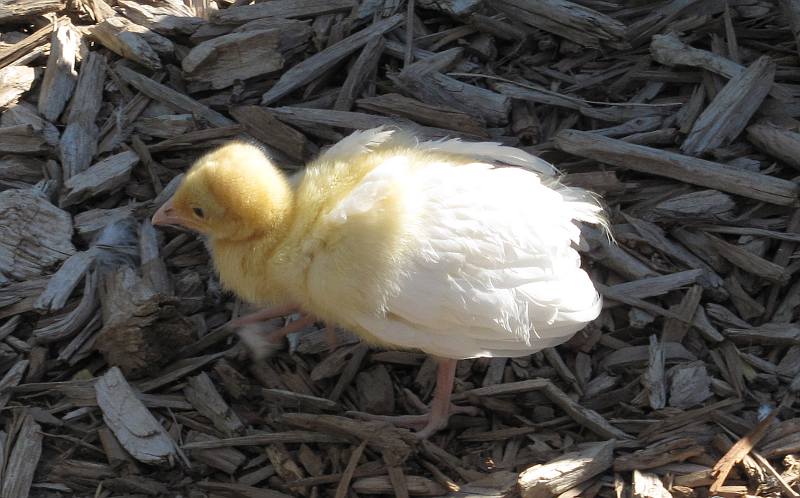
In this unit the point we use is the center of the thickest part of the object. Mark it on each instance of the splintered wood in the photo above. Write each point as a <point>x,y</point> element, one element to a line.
<point>119,375</point>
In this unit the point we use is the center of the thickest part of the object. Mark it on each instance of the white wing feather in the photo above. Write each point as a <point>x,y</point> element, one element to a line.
<point>495,273</point>
<point>357,143</point>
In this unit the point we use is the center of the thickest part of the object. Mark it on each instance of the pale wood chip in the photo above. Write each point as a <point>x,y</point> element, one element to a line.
<point>105,176</point>
<point>133,425</point>
<point>280,9</point>
<point>59,75</point>
<point>36,234</point>
<point>566,471</point>
<point>22,459</point>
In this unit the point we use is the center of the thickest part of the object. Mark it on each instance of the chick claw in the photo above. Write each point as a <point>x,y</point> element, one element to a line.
<point>426,424</point>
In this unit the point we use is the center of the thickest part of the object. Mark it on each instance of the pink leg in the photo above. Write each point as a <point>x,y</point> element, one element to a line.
<point>440,405</point>
<point>263,315</point>
<point>440,410</point>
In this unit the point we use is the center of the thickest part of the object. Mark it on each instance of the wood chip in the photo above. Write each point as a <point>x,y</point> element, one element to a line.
<point>308,70</point>
<point>59,75</point>
<point>566,472</point>
<point>281,9</point>
<point>133,425</point>
<point>205,398</point>
<point>727,115</point>
<point>22,459</point>
<point>221,61</point>
<point>36,234</point>
<point>105,176</point>
<point>678,167</point>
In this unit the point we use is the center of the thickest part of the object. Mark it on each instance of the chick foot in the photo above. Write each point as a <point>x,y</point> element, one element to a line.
<point>262,344</point>
<point>440,410</point>
<point>426,424</point>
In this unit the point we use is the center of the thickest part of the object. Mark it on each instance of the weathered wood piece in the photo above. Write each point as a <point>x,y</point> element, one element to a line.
<point>262,124</point>
<point>654,378</point>
<point>14,11</point>
<point>129,41</point>
<point>24,113</point>
<point>689,385</point>
<point>23,459</point>
<point>633,355</point>
<point>14,81</point>
<point>22,139</point>
<point>791,9</point>
<point>676,166</point>
<point>61,285</point>
<point>11,379</point>
<point>359,73</point>
<point>141,328</point>
<point>424,81</point>
<point>647,485</point>
<point>728,114</point>
<point>133,425</point>
<point>165,126</point>
<point>287,9</point>
<point>59,75</point>
<point>778,142</point>
<point>227,460</point>
<point>18,52</point>
<point>375,391</point>
<point>575,22</point>
<point>221,61</point>
<point>153,268</point>
<point>157,91</point>
<point>168,17</point>
<point>566,471</point>
<point>747,261</point>
<point>780,334</point>
<point>393,104</point>
<point>312,67</point>
<point>382,485</point>
<point>78,144</point>
<point>669,50</point>
<point>35,234</point>
<point>104,176</point>
<point>451,7</point>
<point>202,394</point>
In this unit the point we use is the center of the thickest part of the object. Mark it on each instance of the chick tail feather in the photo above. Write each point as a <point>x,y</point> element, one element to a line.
<point>491,152</point>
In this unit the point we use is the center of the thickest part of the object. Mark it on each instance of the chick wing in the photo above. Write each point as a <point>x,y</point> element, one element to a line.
<point>489,268</point>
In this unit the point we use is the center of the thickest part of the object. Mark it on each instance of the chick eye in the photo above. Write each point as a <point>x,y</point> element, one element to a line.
<point>198,212</point>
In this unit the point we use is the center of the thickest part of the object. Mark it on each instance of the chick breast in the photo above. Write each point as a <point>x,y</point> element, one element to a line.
<point>488,267</point>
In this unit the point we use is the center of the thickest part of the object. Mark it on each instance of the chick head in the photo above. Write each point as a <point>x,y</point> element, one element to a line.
<point>231,193</point>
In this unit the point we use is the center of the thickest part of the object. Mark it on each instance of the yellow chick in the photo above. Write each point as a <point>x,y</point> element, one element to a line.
<point>435,246</point>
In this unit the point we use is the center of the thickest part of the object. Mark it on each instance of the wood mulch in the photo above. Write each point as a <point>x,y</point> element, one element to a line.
<point>119,378</point>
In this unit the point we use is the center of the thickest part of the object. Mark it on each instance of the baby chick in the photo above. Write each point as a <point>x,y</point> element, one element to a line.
<point>433,246</point>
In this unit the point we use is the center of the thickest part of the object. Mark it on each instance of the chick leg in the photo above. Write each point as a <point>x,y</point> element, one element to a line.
<point>441,409</point>
<point>440,405</point>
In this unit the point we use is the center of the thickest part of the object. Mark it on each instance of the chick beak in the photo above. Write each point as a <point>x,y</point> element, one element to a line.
<point>166,215</point>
